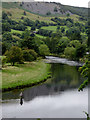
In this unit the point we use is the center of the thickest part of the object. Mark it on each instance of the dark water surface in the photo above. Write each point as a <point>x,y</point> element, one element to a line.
<point>58,97</point>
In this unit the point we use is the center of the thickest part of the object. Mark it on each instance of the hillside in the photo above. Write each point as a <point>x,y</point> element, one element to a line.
<point>47,8</point>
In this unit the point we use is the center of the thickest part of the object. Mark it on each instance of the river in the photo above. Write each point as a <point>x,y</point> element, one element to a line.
<point>58,97</point>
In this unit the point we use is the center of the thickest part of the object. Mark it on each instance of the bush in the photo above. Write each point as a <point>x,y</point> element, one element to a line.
<point>70,52</point>
<point>44,50</point>
<point>29,55</point>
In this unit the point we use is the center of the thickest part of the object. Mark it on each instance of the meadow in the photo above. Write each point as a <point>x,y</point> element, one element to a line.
<point>23,75</point>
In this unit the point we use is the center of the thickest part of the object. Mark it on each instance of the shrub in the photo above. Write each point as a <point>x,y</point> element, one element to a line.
<point>29,55</point>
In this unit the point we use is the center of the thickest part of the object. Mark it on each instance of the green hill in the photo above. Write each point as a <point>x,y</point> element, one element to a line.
<point>40,10</point>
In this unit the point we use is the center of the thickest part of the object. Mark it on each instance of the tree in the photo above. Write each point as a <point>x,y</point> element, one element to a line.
<point>70,52</point>
<point>85,72</point>
<point>24,13</point>
<point>14,55</point>
<point>73,33</point>
<point>4,15</point>
<point>68,14</point>
<point>29,42</point>
<point>55,9</point>
<point>6,27</point>
<point>7,37</point>
<point>63,42</point>
<point>80,49</point>
<point>29,55</point>
<point>44,50</point>
<point>48,13</point>
<point>4,47</point>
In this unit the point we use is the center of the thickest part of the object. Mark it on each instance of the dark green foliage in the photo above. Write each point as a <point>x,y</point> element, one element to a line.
<point>83,85</point>
<point>7,37</point>
<point>80,49</point>
<point>4,47</point>
<point>62,44</point>
<point>29,43</point>
<point>44,32</point>
<point>48,13</point>
<point>14,55</point>
<point>6,27</point>
<point>58,27</point>
<point>4,15</point>
<point>33,28</point>
<point>29,55</point>
<point>68,14</point>
<point>24,13</point>
<point>19,26</point>
<point>73,33</point>
<point>44,50</point>
<point>85,72</point>
<point>62,29</point>
<point>70,52</point>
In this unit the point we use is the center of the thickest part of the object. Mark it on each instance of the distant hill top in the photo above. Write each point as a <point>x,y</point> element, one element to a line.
<point>48,8</point>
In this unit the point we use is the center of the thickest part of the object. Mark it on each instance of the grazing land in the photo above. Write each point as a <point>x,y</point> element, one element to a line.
<point>24,74</point>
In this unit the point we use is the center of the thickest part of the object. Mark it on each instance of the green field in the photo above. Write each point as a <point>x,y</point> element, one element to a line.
<point>24,74</point>
<point>28,27</point>
<point>16,31</point>
<point>40,36</point>
<point>52,28</point>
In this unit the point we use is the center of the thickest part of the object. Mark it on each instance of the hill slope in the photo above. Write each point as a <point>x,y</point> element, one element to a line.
<point>47,8</point>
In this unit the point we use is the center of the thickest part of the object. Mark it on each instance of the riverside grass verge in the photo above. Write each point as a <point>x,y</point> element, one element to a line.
<point>24,75</point>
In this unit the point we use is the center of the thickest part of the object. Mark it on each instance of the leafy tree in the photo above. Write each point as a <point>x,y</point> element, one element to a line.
<point>58,27</point>
<point>68,14</point>
<point>7,37</point>
<point>24,13</point>
<point>14,55</point>
<point>73,33</point>
<point>29,55</point>
<point>4,47</point>
<point>85,72</point>
<point>29,43</point>
<point>44,50</point>
<point>4,15</point>
<point>33,53</point>
<point>6,27</point>
<point>62,29</point>
<point>70,52</point>
<point>80,48</point>
<point>63,42</point>
<point>33,28</point>
<point>19,26</point>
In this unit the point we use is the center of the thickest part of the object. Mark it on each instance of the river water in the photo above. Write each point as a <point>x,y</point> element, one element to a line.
<point>58,97</point>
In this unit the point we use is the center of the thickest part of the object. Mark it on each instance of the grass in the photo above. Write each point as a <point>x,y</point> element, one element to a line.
<point>28,27</point>
<point>40,36</point>
<point>24,74</point>
<point>52,28</point>
<point>17,13</point>
<point>16,31</point>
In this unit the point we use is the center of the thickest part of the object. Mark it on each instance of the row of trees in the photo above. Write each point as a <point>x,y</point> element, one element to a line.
<point>16,54</point>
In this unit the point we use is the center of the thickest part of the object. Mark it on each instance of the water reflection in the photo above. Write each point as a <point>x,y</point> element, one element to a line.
<point>58,97</point>
<point>63,77</point>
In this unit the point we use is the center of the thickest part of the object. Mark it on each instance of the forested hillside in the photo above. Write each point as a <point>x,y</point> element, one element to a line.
<point>62,32</point>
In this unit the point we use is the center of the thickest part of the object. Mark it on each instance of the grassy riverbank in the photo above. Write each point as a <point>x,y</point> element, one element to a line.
<point>24,75</point>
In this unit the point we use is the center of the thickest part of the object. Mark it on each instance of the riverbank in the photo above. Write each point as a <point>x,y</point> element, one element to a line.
<point>24,75</point>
